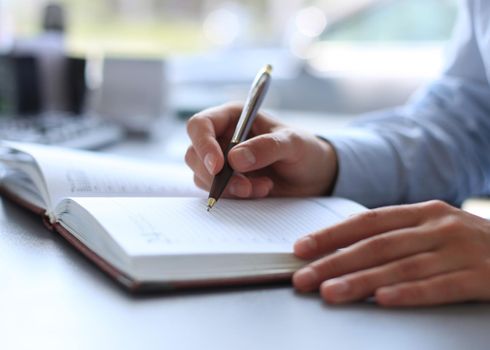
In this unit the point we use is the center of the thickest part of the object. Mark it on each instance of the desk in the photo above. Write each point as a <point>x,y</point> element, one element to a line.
<point>51,297</point>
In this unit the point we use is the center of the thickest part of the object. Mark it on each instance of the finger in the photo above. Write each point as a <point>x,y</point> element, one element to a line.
<point>266,149</point>
<point>196,165</point>
<point>356,228</point>
<point>248,187</point>
<point>201,184</point>
<point>202,178</point>
<point>223,116</point>
<point>365,254</point>
<point>261,186</point>
<point>238,186</point>
<point>459,286</point>
<point>362,284</point>
<point>203,129</point>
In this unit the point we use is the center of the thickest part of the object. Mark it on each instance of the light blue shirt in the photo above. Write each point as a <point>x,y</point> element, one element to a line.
<point>438,145</point>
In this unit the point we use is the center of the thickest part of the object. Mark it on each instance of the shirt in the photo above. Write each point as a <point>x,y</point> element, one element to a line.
<point>438,145</point>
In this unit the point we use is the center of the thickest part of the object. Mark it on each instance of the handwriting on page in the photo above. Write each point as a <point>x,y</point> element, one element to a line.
<point>185,220</point>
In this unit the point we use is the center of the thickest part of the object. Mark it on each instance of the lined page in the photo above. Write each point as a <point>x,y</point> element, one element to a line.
<point>164,225</point>
<point>78,173</point>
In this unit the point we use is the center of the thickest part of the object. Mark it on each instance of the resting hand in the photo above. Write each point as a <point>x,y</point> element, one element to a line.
<point>421,254</point>
<point>276,160</point>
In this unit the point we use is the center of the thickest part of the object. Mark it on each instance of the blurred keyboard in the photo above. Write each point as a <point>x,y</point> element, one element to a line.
<point>86,132</point>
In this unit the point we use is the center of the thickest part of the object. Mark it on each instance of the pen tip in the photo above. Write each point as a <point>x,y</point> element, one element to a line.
<point>211,203</point>
<point>268,69</point>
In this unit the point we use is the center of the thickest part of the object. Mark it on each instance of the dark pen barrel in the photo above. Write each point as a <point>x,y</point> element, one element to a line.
<point>221,179</point>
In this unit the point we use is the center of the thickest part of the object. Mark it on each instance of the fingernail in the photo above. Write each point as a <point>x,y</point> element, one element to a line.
<point>209,162</point>
<point>387,294</point>
<point>337,289</point>
<point>305,246</point>
<point>244,157</point>
<point>306,279</point>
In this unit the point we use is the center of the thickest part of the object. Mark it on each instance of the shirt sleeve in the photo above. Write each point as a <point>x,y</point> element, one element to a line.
<point>435,147</point>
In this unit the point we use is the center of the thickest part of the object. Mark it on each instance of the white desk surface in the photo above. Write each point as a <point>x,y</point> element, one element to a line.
<point>51,297</point>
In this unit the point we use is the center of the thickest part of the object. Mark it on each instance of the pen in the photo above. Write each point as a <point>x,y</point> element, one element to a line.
<point>254,99</point>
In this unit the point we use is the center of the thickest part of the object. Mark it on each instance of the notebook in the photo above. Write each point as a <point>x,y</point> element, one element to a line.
<point>146,224</point>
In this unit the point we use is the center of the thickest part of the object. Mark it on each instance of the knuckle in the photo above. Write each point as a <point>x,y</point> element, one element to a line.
<point>295,141</point>
<point>451,225</point>
<point>203,145</point>
<point>189,156</point>
<point>368,216</point>
<point>197,123</point>
<point>410,269</point>
<point>292,136</point>
<point>190,124</point>
<point>323,238</point>
<point>363,284</point>
<point>193,123</point>
<point>437,206</point>
<point>416,293</point>
<point>328,267</point>
<point>275,143</point>
<point>414,210</point>
<point>379,246</point>
<point>199,182</point>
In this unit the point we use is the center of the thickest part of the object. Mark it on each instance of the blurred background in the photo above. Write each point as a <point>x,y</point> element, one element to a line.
<point>329,56</point>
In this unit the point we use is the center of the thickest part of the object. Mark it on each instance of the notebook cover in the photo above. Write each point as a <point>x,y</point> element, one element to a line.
<point>141,286</point>
<point>4,192</point>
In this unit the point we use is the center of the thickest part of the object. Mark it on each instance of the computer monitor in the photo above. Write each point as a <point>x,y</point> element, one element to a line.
<point>22,82</point>
<point>27,84</point>
<point>76,84</point>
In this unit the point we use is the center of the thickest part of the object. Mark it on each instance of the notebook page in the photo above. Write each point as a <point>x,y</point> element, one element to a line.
<point>147,226</point>
<point>81,173</point>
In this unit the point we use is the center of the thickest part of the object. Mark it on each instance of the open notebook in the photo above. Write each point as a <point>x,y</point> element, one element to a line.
<point>146,225</point>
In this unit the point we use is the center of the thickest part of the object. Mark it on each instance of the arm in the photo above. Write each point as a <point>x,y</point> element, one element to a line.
<point>434,148</point>
<point>418,254</point>
<point>438,147</point>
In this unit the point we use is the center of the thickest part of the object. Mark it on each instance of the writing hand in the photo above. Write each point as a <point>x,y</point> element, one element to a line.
<point>276,159</point>
<point>421,254</point>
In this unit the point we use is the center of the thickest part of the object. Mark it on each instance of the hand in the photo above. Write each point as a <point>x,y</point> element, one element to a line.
<point>276,160</point>
<point>421,254</point>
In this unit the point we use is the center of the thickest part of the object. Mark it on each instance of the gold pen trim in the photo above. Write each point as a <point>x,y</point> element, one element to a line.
<point>211,203</point>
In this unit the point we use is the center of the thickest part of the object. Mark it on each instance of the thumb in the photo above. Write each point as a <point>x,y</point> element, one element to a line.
<point>264,150</point>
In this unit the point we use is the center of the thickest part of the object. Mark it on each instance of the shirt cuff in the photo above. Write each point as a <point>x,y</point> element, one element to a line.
<point>368,168</point>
